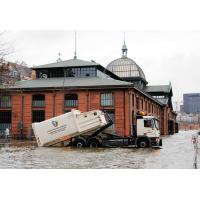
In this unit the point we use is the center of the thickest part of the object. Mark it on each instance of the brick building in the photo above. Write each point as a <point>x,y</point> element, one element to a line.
<point>120,89</point>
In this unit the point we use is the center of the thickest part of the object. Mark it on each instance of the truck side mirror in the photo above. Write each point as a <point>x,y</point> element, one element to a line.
<point>152,124</point>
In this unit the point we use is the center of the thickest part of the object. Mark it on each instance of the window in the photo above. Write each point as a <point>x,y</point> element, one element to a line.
<point>70,73</point>
<point>81,72</point>
<point>133,99</point>
<point>42,73</point>
<point>145,105</point>
<point>148,123</point>
<point>158,97</point>
<point>149,107</point>
<point>66,111</point>
<point>5,102</point>
<point>71,100</point>
<point>38,100</point>
<point>138,103</point>
<point>112,116</point>
<point>142,104</point>
<point>5,120</point>
<point>107,99</point>
<point>38,115</point>
<point>88,71</point>
<point>56,73</point>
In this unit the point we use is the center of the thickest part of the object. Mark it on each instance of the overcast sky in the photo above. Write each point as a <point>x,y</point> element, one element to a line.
<point>164,56</point>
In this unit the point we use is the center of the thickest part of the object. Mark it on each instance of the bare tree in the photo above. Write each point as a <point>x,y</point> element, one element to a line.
<point>5,49</point>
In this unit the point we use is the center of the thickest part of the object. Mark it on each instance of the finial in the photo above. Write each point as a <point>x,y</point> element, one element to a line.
<point>124,48</point>
<point>75,57</point>
<point>59,59</point>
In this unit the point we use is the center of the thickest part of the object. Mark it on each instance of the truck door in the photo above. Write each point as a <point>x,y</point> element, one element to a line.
<point>144,126</point>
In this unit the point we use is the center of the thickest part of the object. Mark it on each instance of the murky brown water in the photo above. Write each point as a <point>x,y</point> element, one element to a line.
<point>177,152</point>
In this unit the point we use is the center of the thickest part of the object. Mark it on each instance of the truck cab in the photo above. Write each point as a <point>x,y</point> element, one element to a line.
<point>147,132</point>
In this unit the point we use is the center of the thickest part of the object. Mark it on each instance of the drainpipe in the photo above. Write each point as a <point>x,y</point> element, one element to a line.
<point>130,113</point>
<point>124,113</point>
<point>22,117</point>
<point>54,95</point>
<point>87,101</point>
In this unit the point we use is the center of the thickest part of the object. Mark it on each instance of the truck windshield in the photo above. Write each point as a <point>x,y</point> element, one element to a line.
<point>151,123</point>
<point>148,123</point>
<point>156,124</point>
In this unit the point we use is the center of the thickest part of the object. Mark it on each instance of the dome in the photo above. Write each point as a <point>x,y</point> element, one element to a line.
<point>125,67</point>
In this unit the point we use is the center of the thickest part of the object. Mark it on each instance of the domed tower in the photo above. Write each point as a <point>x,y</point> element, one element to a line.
<point>127,69</point>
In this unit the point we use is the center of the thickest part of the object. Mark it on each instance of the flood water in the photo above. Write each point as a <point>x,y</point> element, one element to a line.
<point>176,153</point>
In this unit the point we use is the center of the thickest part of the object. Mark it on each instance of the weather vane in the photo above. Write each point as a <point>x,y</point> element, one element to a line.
<point>75,57</point>
<point>59,59</point>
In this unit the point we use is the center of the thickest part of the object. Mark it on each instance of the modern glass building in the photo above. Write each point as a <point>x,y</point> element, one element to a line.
<point>191,103</point>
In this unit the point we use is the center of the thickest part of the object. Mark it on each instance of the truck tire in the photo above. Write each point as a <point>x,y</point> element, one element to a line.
<point>143,143</point>
<point>93,143</point>
<point>79,143</point>
<point>160,143</point>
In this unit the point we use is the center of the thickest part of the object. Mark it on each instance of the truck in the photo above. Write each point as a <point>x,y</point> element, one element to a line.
<point>91,129</point>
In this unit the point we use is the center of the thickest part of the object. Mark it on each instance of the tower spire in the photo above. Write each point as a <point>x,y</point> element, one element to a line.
<point>124,48</point>
<point>75,57</point>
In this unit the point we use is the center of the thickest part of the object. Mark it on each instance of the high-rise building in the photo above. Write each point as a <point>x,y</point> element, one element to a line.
<point>191,103</point>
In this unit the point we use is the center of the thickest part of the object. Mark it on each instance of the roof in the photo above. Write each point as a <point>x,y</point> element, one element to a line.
<point>68,63</point>
<point>147,95</point>
<point>164,100</point>
<point>158,88</point>
<point>125,67</point>
<point>69,83</point>
<point>85,82</point>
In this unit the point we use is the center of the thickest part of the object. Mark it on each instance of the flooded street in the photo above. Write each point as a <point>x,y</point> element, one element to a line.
<point>176,153</point>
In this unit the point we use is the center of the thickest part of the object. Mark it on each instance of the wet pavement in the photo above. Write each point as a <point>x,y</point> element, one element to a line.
<point>176,153</point>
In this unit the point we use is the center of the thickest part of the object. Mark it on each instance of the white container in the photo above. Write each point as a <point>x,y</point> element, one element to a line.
<point>66,126</point>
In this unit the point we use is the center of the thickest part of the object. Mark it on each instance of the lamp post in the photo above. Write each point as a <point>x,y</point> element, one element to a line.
<point>195,144</point>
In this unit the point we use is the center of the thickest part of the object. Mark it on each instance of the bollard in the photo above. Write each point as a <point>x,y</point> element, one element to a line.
<point>195,144</point>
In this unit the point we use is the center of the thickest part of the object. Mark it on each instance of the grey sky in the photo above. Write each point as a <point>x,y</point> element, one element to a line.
<point>164,56</point>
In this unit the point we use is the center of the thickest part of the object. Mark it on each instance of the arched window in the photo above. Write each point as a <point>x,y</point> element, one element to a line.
<point>38,100</point>
<point>71,100</point>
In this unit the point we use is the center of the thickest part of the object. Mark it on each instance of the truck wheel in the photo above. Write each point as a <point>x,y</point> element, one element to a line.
<point>142,143</point>
<point>79,143</point>
<point>93,143</point>
<point>160,143</point>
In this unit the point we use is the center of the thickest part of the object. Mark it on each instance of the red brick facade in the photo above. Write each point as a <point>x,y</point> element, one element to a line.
<point>125,107</point>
